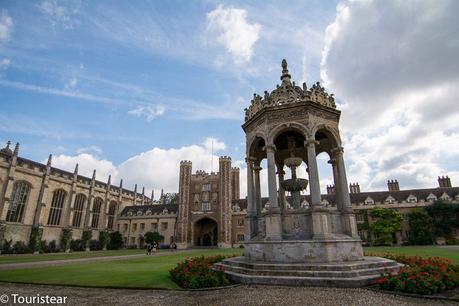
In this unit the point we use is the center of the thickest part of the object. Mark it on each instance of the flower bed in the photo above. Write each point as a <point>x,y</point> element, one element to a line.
<point>420,275</point>
<point>198,272</point>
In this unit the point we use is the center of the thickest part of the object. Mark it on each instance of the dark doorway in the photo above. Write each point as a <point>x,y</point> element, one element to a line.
<point>205,232</point>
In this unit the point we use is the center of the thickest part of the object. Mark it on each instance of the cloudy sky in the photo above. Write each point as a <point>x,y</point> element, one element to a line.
<point>132,88</point>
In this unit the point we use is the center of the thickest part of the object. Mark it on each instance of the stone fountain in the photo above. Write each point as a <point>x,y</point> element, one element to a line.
<point>314,246</point>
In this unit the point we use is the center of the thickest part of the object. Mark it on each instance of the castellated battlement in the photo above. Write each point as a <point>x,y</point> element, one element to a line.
<point>186,163</point>
<point>235,168</point>
<point>224,158</point>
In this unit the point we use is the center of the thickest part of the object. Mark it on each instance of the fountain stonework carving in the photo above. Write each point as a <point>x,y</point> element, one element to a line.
<point>298,243</point>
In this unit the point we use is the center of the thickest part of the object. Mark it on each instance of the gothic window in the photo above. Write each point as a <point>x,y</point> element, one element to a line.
<point>111,214</point>
<point>78,207</point>
<point>240,237</point>
<point>205,196</point>
<point>57,204</point>
<point>19,198</point>
<point>205,206</point>
<point>96,212</point>
<point>205,187</point>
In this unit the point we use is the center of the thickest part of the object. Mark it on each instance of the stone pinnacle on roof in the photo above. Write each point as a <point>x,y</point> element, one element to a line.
<point>285,75</point>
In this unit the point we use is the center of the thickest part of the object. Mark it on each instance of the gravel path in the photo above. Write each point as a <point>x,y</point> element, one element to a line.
<point>242,295</point>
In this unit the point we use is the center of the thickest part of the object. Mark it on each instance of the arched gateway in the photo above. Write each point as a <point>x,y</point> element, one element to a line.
<point>313,244</point>
<point>205,232</point>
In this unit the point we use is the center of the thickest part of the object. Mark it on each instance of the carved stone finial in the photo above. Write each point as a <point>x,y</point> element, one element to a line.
<point>285,76</point>
<point>50,157</point>
<point>121,183</point>
<point>94,175</point>
<point>16,149</point>
<point>75,172</point>
<point>7,149</point>
<point>109,179</point>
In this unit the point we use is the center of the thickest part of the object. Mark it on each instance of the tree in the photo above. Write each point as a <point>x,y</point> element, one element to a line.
<point>151,237</point>
<point>420,227</point>
<point>385,223</point>
<point>445,217</point>
<point>115,241</point>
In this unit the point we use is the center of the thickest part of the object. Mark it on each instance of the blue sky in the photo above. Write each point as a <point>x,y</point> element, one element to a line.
<point>106,84</point>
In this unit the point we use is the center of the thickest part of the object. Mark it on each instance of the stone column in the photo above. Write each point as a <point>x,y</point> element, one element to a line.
<point>273,219</point>
<point>281,174</point>
<point>314,184</point>
<point>339,203</point>
<point>272,186</point>
<point>349,222</point>
<point>320,219</point>
<point>251,219</point>
<point>257,193</point>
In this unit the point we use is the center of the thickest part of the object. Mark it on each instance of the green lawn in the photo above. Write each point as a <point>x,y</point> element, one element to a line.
<point>57,256</point>
<point>142,272</point>
<point>153,271</point>
<point>451,252</point>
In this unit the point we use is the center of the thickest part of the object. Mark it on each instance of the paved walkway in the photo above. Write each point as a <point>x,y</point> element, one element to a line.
<point>58,262</point>
<point>242,295</point>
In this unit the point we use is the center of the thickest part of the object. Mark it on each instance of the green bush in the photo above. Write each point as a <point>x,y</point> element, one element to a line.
<point>386,223</point>
<point>19,247</point>
<point>66,238</point>
<point>103,239</point>
<point>452,242</point>
<point>115,241</point>
<point>50,247</point>
<point>198,272</point>
<point>152,237</point>
<point>95,245</point>
<point>86,238</point>
<point>7,247</point>
<point>77,245</point>
<point>420,227</point>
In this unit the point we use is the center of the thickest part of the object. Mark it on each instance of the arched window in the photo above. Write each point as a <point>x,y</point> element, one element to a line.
<point>19,198</point>
<point>96,212</point>
<point>111,214</point>
<point>78,208</point>
<point>57,204</point>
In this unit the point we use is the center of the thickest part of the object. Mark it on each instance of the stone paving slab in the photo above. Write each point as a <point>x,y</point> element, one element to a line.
<point>242,295</point>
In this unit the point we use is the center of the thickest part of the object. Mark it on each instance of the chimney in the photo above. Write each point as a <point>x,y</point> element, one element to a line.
<point>354,188</point>
<point>393,185</point>
<point>331,189</point>
<point>444,182</point>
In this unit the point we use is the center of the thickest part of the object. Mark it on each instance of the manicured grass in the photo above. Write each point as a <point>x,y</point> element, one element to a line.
<point>451,252</point>
<point>141,272</point>
<point>153,271</point>
<point>57,256</point>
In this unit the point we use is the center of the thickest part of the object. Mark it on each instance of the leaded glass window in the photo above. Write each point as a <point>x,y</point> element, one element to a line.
<point>57,204</point>
<point>96,212</point>
<point>78,208</point>
<point>19,198</point>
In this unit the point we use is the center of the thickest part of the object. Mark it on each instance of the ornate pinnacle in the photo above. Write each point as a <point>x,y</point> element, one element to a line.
<point>94,175</point>
<point>121,183</point>
<point>109,179</point>
<point>75,172</point>
<point>50,157</point>
<point>285,76</point>
<point>16,149</point>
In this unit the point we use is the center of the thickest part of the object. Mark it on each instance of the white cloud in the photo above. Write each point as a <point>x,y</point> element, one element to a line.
<point>4,63</point>
<point>397,88</point>
<point>59,14</point>
<point>234,32</point>
<point>71,83</point>
<point>150,112</point>
<point>211,143</point>
<point>6,25</point>
<point>86,164</point>
<point>155,169</point>
<point>91,149</point>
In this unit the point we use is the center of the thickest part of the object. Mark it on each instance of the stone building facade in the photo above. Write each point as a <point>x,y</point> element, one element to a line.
<point>41,197</point>
<point>205,215</point>
<point>197,209</point>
